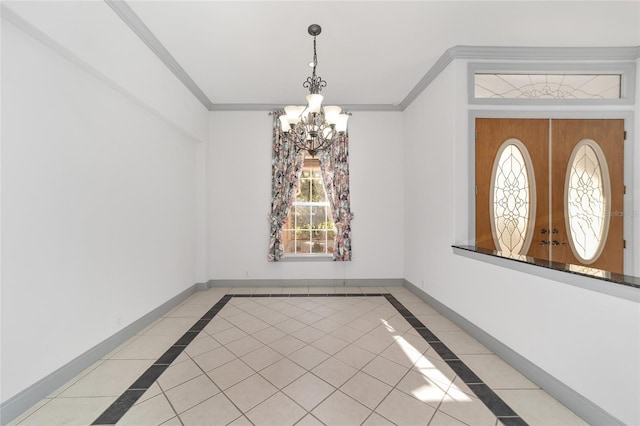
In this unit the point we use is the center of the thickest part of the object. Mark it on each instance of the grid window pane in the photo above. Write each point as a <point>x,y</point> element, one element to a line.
<point>309,228</point>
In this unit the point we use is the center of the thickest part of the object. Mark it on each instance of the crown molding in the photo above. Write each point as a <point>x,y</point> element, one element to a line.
<point>443,62</point>
<point>133,21</point>
<point>245,107</point>
<point>613,53</point>
<point>371,107</point>
<point>272,107</point>
<point>608,53</point>
<point>616,53</point>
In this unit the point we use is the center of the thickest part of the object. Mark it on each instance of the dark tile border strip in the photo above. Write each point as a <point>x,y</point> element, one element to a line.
<point>491,400</point>
<point>119,408</point>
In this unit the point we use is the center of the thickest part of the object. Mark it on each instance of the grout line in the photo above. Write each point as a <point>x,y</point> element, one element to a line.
<point>170,404</point>
<point>129,397</point>
<point>25,416</point>
<point>486,397</point>
<point>485,394</point>
<point>221,390</point>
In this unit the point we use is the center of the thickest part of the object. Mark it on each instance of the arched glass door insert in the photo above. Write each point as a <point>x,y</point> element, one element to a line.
<point>587,199</point>
<point>512,201</point>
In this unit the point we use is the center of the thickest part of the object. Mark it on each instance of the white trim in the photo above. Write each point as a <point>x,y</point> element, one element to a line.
<point>297,257</point>
<point>577,403</point>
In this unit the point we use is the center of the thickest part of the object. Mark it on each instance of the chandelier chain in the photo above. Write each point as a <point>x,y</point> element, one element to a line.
<point>315,83</point>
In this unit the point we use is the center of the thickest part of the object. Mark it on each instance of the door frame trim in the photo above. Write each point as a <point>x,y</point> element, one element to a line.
<point>629,172</point>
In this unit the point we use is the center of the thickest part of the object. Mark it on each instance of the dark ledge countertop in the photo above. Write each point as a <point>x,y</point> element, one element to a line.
<point>626,280</point>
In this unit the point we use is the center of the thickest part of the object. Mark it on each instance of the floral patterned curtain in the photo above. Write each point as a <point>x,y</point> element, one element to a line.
<point>334,163</point>
<point>286,166</point>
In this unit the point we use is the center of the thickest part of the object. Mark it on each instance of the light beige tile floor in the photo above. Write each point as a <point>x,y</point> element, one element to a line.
<point>300,361</point>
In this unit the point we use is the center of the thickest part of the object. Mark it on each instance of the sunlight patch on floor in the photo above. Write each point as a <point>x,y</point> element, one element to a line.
<point>436,384</point>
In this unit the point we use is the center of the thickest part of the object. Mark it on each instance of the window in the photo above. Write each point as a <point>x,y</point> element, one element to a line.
<point>551,84</point>
<point>512,202</point>
<point>587,194</point>
<point>548,86</point>
<point>309,228</point>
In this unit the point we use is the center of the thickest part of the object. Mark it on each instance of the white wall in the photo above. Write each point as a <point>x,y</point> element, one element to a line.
<point>92,36</point>
<point>635,195</point>
<point>587,340</point>
<point>239,194</point>
<point>98,210</point>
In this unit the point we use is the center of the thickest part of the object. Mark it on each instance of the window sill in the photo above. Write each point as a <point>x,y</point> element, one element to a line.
<point>618,285</point>
<point>307,258</point>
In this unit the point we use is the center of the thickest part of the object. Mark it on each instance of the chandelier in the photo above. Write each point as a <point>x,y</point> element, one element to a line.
<point>313,128</point>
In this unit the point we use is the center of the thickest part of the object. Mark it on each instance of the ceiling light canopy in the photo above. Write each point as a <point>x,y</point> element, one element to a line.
<point>313,128</point>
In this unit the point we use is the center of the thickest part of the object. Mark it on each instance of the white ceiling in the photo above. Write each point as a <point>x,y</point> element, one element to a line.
<point>369,52</point>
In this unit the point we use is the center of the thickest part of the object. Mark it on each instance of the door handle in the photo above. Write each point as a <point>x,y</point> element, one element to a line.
<point>544,231</point>
<point>558,243</point>
<point>544,243</point>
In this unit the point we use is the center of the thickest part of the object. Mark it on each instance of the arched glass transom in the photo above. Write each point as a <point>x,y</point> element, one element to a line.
<point>512,199</point>
<point>587,195</point>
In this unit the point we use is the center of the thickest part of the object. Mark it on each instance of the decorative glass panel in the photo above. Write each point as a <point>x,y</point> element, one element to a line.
<point>587,193</point>
<point>511,199</point>
<point>589,271</point>
<point>548,86</point>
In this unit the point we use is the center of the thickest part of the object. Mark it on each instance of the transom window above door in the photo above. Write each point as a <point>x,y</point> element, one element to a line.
<point>547,86</point>
<point>551,83</point>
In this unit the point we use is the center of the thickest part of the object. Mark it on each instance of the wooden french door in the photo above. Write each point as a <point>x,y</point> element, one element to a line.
<point>609,137</point>
<point>491,134</point>
<point>568,164</point>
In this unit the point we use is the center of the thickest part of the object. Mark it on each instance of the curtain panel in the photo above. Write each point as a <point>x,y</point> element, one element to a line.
<point>334,164</point>
<point>286,167</point>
